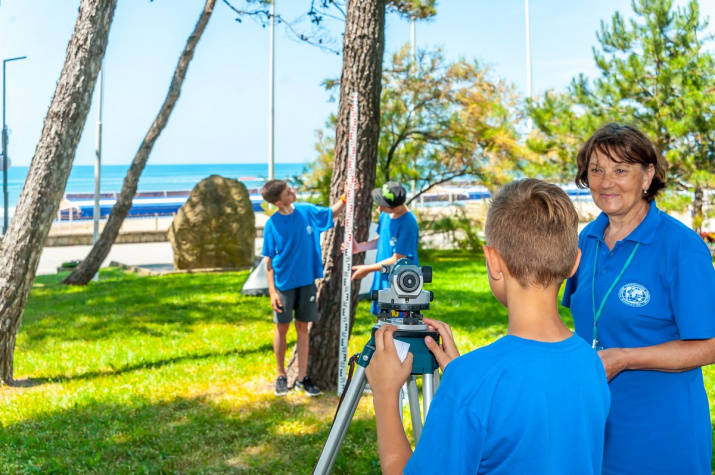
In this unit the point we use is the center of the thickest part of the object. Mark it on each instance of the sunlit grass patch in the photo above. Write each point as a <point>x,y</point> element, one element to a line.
<point>175,374</point>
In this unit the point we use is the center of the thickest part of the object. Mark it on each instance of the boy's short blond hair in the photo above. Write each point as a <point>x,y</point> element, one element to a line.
<point>272,190</point>
<point>533,226</point>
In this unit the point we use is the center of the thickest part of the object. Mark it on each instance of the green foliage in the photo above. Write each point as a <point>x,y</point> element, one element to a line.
<point>462,230</point>
<point>414,9</point>
<point>174,374</point>
<point>439,121</point>
<point>657,74</point>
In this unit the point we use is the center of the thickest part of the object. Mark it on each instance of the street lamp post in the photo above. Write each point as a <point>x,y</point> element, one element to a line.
<point>528,61</point>
<point>271,93</point>
<point>4,145</point>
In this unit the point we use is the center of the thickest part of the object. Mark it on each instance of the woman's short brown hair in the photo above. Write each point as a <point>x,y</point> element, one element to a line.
<point>533,226</point>
<point>623,143</point>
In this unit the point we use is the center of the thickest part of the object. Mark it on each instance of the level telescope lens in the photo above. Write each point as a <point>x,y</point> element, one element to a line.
<point>409,281</point>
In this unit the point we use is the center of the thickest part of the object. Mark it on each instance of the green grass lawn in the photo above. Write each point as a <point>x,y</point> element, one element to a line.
<point>174,374</point>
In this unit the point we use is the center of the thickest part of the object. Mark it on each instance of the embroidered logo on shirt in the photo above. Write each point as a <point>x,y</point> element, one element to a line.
<point>309,229</point>
<point>634,295</point>
<point>393,241</point>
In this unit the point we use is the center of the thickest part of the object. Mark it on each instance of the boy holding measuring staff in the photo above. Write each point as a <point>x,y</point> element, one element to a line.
<point>291,244</point>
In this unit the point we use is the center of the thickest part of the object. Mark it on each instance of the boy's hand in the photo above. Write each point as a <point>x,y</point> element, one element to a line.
<point>356,247</point>
<point>276,302</point>
<point>385,372</point>
<point>445,352</point>
<point>360,272</point>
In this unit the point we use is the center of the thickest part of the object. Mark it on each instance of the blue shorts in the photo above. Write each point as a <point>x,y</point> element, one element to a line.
<point>302,300</point>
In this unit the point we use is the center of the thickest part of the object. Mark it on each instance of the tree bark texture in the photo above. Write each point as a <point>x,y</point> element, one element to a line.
<point>363,47</point>
<point>84,272</point>
<point>698,215</point>
<point>49,170</point>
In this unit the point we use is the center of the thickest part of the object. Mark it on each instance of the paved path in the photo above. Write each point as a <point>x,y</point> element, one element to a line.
<point>152,253</point>
<point>156,255</point>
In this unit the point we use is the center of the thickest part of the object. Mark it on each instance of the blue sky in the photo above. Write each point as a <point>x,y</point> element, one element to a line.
<point>222,115</point>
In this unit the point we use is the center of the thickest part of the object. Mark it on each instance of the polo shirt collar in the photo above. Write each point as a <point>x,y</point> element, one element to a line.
<point>644,233</point>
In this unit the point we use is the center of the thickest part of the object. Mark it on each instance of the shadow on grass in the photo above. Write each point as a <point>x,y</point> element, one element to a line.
<point>125,305</point>
<point>31,382</point>
<point>186,435</point>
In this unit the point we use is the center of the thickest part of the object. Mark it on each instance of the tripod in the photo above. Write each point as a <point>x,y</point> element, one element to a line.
<point>423,364</point>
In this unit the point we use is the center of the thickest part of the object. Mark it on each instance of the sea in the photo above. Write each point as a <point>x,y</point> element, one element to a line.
<point>157,177</point>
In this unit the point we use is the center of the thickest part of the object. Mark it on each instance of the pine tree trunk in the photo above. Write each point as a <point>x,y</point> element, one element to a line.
<point>698,198</point>
<point>49,171</point>
<point>363,48</point>
<point>84,272</point>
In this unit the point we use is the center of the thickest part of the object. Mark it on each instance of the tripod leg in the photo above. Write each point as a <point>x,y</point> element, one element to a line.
<point>414,399</point>
<point>341,423</point>
<point>436,380</point>
<point>427,391</point>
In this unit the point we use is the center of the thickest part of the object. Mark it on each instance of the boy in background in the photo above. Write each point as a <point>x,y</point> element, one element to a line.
<point>291,244</point>
<point>535,400</point>
<point>398,236</point>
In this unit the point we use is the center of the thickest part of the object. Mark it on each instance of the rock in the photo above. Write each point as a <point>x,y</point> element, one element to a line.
<point>216,227</point>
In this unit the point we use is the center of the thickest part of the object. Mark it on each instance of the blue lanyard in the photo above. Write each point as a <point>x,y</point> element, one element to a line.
<point>597,315</point>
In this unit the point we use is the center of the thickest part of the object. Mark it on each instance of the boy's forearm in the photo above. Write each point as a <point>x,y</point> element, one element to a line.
<point>367,245</point>
<point>392,444</point>
<point>270,278</point>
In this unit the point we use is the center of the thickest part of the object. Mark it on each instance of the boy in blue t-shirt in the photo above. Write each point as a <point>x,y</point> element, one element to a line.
<point>291,244</point>
<point>535,400</point>
<point>398,236</point>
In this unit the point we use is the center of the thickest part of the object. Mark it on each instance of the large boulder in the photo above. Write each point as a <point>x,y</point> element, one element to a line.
<point>216,227</point>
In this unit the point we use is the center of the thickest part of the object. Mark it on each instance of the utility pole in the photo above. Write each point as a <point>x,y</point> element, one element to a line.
<point>5,160</point>
<point>271,92</point>
<point>98,165</point>
<point>528,63</point>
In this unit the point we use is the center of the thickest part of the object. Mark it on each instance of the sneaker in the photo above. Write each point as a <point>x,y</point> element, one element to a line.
<point>308,387</point>
<point>282,386</point>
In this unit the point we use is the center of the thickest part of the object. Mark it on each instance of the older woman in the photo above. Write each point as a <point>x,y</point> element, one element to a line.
<point>644,296</point>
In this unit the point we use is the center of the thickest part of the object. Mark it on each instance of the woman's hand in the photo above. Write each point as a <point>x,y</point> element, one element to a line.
<point>445,352</point>
<point>614,361</point>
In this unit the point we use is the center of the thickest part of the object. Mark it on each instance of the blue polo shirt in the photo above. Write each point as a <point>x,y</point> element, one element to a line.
<point>292,242</point>
<point>659,422</point>
<point>399,236</point>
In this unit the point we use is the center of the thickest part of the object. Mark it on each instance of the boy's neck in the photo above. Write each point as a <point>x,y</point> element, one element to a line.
<point>534,314</point>
<point>399,211</point>
<point>286,210</point>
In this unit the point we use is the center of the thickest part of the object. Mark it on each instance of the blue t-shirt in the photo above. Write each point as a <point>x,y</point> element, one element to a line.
<point>517,406</point>
<point>292,242</point>
<point>659,422</point>
<point>399,236</point>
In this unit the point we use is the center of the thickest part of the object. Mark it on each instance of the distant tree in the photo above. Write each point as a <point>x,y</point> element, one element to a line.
<point>655,74</point>
<point>440,121</point>
<point>84,272</point>
<point>49,171</point>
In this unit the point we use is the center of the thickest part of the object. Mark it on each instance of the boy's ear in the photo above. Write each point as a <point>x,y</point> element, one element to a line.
<point>493,264</point>
<point>576,263</point>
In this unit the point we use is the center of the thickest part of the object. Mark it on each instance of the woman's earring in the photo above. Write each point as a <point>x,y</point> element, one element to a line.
<point>645,192</point>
